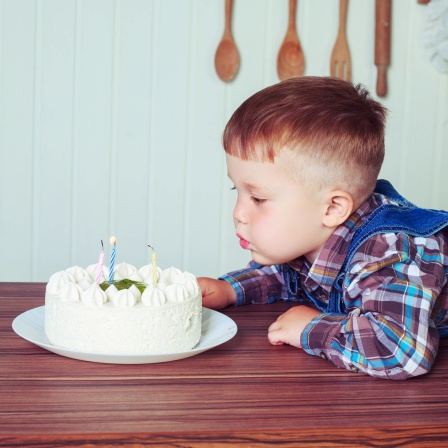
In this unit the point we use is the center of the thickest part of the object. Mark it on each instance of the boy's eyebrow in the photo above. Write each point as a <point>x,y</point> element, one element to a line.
<point>249,185</point>
<point>256,187</point>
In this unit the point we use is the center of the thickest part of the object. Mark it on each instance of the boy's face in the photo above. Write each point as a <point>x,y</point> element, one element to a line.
<point>275,217</point>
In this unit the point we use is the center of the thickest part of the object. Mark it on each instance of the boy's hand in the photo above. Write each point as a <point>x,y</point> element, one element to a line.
<point>216,294</point>
<point>288,327</point>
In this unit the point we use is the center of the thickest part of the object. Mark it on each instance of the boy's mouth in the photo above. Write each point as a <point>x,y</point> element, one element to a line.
<point>243,243</point>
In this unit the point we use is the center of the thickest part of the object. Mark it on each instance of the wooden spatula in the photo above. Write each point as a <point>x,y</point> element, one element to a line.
<point>340,64</point>
<point>290,61</point>
<point>227,58</point>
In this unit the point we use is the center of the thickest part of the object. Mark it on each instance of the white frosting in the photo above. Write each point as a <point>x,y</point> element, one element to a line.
<point>136,277</point>
<point>85,283</point>
<point>162,283</point>
<point>94,296</point>
<point>55,284</point>
<point>153,296</point>
<point>124,298</point>
<point>124,270</point>
<point>164,318</point>
<point>70,292</point>
<point>78,273</point>
<point>64,274</point>
<point>146,273</point>
<point>136,292</point>
<point>171,274</point>
<point>189,281</point>
<point>92,270</point>
<point>111,291</point>
<point>176,293</point>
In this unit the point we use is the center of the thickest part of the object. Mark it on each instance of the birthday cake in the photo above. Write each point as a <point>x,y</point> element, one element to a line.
<point>141,311</point>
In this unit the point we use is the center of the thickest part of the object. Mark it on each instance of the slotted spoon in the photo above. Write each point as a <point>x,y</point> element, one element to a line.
<point>340,64</point>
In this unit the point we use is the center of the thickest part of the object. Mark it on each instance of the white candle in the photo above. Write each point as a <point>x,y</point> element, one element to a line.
<point>154,266</point>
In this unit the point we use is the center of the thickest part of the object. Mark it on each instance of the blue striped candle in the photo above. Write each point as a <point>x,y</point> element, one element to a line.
<point>113,241</point>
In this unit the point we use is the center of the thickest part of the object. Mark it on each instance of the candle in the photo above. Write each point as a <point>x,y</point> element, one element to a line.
<point>100,265</point>
<point>113,241</point>
<point>154,266</point>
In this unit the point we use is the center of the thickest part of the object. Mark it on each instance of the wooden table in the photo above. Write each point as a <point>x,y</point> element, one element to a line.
<point>244,393</point>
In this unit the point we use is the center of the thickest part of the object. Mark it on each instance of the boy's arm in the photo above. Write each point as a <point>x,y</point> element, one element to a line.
<point>255,284</point>
<point>390,331</point>
<point>258,284</point>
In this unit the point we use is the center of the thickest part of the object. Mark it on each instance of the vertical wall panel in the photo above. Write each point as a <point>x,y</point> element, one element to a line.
<point>317,34</point>
<point>56,121</point>
<point>419,123</point>
<point>170,120</point>
<point>17,33</point>
<point>93,139</point>
<point>131,115</point>
<point>111,116</point>
<point>202,188</point>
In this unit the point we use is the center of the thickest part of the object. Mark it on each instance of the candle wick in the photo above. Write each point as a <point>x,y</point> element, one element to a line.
<point>102,245</point>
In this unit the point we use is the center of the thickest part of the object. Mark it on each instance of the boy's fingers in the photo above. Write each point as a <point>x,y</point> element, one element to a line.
<point>274,336</point>
<point>274,326</point>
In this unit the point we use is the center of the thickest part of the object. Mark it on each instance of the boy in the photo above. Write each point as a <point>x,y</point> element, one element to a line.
<point>368,268</point>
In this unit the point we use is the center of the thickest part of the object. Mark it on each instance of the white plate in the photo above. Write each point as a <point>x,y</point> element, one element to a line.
<point>216,329</point>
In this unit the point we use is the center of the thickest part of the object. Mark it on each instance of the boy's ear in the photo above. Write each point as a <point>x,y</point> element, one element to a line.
<point>339,208</point>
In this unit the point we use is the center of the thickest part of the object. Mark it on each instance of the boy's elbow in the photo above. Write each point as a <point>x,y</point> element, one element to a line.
<point>403,372</point>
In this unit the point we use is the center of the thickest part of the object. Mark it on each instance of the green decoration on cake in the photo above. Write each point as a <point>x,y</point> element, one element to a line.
<point>123,284</point>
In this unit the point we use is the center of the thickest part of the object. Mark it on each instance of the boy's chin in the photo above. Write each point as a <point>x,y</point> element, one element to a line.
<point>265,261</point>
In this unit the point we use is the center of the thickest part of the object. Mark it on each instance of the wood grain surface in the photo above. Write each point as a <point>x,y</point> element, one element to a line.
<point>242,393</point>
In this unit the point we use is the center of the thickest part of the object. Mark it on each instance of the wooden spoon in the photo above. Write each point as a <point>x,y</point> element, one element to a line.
<point>382,43</point>
<point>290,61</point>
<point>227,58</point>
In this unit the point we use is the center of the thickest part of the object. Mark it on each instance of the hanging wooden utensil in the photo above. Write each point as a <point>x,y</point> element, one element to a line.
<point>382,43</point>
<point>290,61</point>
<point>227,58</point>
<point>340,64</point>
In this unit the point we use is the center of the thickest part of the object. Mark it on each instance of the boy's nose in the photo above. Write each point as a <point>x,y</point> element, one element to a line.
<point>239,216</point>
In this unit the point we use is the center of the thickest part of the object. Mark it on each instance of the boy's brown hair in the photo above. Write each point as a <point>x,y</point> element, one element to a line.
<point>335,128</point>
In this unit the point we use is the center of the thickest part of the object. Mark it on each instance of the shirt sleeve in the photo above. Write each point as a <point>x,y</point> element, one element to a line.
<point>389,331</point>
<point>258,284</point>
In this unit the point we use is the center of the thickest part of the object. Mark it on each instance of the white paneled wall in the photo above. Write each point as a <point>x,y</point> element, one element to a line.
<point>111,117</point>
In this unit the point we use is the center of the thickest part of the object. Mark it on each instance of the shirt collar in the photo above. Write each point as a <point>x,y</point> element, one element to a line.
<point>328,263</point>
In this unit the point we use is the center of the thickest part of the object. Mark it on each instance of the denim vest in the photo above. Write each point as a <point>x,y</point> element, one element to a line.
<point>402,218</point>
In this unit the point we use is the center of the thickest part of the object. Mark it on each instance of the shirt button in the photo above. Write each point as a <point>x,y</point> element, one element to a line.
<point>323,355</point>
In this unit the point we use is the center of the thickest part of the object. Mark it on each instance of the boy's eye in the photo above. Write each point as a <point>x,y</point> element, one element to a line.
<point>258,200</point>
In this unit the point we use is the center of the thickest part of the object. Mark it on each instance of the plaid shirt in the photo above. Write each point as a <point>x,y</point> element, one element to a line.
<point>397,295</point>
